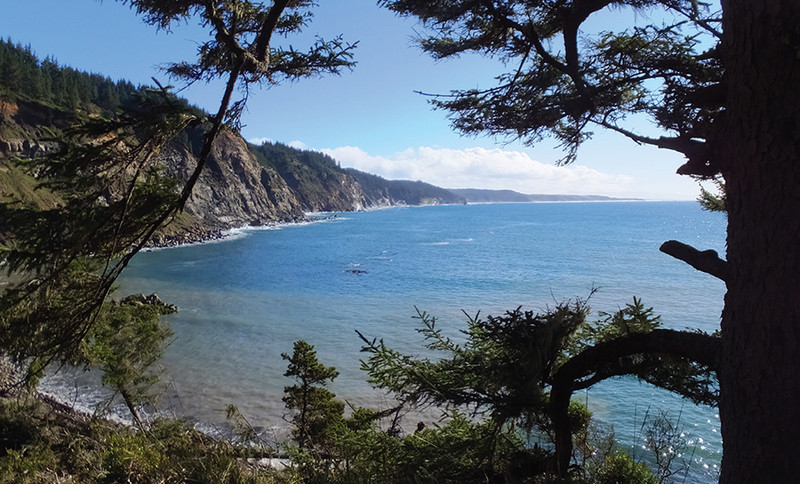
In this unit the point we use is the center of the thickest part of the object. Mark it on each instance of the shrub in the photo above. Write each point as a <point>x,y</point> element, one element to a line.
<point>620,468</point>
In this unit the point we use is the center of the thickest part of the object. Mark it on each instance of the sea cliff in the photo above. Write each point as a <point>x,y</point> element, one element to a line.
<point>241,185</point>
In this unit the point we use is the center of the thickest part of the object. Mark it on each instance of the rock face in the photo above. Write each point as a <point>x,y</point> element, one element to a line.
<point>26,147</point>
<point>315,179</point>
<point>233,189</point>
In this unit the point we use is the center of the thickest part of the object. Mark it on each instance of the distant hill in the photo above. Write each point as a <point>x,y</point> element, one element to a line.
<point>403,191</point>
<point>477,195</point>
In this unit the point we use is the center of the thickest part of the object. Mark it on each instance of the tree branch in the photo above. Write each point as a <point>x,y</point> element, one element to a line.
<point>698,347</point>
<point>704,261</point>
<point>696,152</point>
<point>267,28</point>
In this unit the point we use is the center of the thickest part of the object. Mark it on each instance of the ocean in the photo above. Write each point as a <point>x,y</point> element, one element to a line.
<point>245,300</point>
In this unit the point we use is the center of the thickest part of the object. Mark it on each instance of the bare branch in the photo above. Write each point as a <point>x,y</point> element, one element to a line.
<point>698,157</point>
<point>707,261</point>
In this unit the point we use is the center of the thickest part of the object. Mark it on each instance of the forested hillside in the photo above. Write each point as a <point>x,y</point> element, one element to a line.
<point>23,77</point>
<point>410,192</point>
<point>243,184</point>
<point>475,195</point>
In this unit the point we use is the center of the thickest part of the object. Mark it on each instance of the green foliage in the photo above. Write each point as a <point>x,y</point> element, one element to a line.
<point>246,44</point>
<point>505,368</point>
<point>691,380</point>
<point>42,445</point>
<point>501,370</point>
<point>714,202</point>
<point>18,185</point>
<point>130,458</point>
<point>27,465</point>
<point>465,451</point>
<point>407,191</point>
<point>620,468</point>
<point>66,256</point>
<point>314,177</point>
<point>170,452</point>
<point>633,318</point>
<point>460,450</point>
<point>316,408</point>
<point>125,342</point>
<point>112,198</point>
<point>332,448</point>
<point>24,77</point>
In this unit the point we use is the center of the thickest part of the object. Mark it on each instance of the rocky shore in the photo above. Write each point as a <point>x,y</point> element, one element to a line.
<point>194,236</point>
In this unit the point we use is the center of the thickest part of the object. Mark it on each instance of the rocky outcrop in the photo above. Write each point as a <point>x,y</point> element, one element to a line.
<point>321,185</point>
<point>21,130</point>
<point>233,190</point>
<point>315,179</point>
<point>151,300</point>
<point>26,147</point>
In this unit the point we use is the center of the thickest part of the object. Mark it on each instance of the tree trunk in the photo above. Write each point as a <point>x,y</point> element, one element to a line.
<point>126,397</point>
<point>760,148</point>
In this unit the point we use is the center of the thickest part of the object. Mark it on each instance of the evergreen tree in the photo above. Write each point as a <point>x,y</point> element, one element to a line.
<point>722,85</point>
<point>316,408</point>
<point>511,367</point>
<point>125,343</point>
<point>68,256</point>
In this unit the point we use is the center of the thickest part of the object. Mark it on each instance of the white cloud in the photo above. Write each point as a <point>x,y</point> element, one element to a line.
<point>484,168</point>
<point>259,141</point>
<point>297,144</point>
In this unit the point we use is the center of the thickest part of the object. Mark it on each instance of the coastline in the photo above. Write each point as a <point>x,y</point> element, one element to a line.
<point>215,235</point>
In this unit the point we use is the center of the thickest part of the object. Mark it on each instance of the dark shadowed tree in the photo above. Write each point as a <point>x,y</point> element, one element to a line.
<point>723,87</point>
<point>510,368</point>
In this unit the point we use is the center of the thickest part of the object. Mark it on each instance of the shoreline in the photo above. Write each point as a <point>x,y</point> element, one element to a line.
<point>216,235</point>
<point>69,419</point>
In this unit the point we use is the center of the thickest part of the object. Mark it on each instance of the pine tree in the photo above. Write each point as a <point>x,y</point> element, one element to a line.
<point>316,408</point>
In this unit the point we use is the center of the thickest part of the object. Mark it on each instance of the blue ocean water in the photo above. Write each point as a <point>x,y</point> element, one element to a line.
<point>244,301</point>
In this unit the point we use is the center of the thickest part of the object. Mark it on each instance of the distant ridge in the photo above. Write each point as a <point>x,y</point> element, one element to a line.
<point>477,195</point>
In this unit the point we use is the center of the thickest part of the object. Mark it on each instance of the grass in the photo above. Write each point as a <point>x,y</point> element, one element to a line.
<point>44,443</point>
<point>16,185</point>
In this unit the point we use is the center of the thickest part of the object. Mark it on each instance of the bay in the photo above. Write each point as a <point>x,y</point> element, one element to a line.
<point>245,300</point>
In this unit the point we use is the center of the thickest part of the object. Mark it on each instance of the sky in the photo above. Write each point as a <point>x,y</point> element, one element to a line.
<point>371,118</point>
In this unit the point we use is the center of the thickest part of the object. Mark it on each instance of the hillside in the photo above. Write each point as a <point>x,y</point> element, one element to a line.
<point>384,192</point>
<point>243,184</point>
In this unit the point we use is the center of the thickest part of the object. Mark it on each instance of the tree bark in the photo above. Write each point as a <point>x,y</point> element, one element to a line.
<point>760,371</point>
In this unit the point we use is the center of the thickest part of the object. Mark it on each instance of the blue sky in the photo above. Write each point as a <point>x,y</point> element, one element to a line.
<point>369,118</point>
